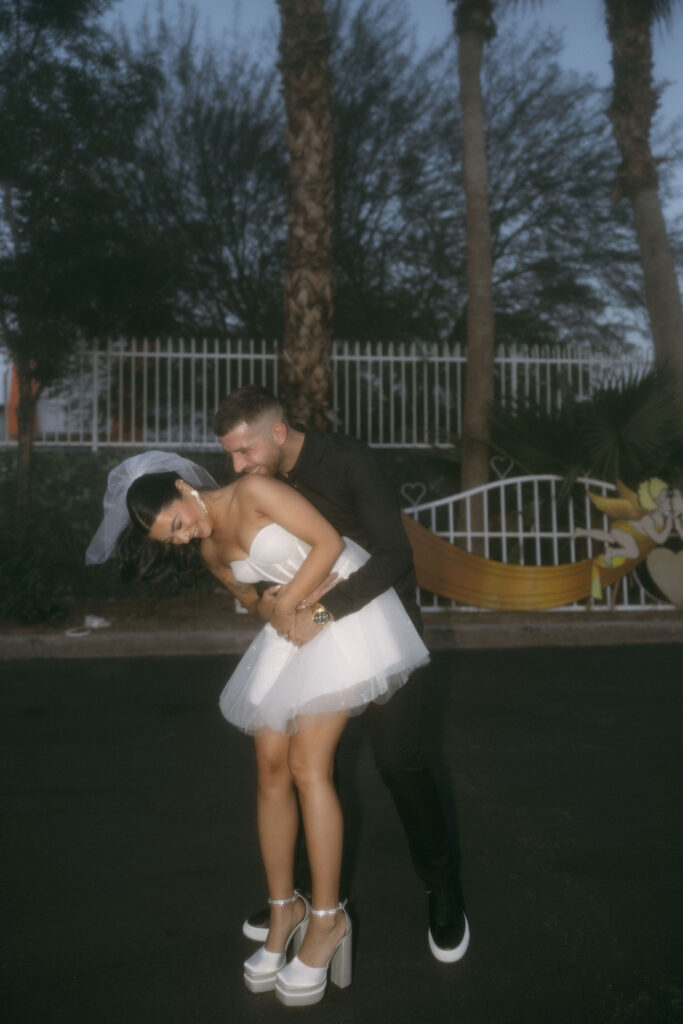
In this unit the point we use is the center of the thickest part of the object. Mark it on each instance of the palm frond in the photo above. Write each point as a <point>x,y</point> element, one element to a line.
<point>627,430</point>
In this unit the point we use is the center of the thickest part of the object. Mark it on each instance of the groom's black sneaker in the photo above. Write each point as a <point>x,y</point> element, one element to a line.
<point>256,925</point>
<point>449,932</point>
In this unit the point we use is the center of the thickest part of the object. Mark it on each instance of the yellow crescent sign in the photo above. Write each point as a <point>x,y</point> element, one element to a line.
<point>451,572</point>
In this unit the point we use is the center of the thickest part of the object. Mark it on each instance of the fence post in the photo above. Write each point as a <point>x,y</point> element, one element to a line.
<point>95,393</point>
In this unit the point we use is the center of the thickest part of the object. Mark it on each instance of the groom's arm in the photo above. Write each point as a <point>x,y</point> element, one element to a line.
<point>259,598</point>
<point>381,533</point>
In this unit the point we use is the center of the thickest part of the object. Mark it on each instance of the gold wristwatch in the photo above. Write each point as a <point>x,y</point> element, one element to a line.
<point>321,616</point>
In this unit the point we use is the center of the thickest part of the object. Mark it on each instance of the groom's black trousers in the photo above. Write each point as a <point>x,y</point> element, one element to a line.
<point>396,736</point>
<point>397,743</point>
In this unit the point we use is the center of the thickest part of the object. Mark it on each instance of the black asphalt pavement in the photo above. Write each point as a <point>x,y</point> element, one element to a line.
<point>130,858</point>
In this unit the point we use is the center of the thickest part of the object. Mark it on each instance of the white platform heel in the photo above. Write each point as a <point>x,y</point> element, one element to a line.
<point>260,970</point>
<point>297,984</point>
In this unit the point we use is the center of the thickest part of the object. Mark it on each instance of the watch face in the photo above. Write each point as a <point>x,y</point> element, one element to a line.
<point>321,617</point>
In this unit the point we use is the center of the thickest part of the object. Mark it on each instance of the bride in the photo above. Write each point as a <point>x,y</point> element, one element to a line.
<point>294,699</point>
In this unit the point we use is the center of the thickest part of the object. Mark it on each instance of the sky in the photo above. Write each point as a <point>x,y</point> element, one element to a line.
<point>581,21</point>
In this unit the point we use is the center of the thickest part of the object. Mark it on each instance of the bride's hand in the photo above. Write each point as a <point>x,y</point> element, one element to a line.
<point>282,619</point>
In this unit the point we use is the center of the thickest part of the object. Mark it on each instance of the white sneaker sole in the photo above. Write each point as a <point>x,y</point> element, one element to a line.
<point>451,956</point>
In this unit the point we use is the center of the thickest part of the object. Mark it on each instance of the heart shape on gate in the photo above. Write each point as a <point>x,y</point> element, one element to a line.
<point>413,493</point>
<point>666,569</point>
<point>501,466</point>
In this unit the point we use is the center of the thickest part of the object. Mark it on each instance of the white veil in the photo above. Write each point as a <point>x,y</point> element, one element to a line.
<point>116,516</point>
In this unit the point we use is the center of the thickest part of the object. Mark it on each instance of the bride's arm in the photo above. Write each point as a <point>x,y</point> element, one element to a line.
<point>244,592</point>
<point>261,496</point>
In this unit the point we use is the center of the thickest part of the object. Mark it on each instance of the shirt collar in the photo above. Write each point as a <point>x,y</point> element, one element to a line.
<point>311,453</point>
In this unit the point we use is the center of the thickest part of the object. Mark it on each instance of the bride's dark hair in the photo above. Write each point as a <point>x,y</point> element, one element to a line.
<point>140,557</point>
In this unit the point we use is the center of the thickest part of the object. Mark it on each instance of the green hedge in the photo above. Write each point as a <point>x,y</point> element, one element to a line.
<point>42,552</point>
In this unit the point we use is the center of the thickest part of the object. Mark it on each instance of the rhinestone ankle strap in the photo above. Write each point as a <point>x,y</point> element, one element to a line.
<point>328,913</point>
<point>282,903</point>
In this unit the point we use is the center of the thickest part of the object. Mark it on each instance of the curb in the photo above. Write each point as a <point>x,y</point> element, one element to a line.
<point>450,631</point>
<point>581,629</point>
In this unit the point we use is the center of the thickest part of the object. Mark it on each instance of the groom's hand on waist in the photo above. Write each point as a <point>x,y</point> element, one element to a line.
<point>263,608</point>
<point>305,626</point>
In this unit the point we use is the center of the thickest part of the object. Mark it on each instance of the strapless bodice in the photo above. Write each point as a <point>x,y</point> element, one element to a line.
<point>275,554</point>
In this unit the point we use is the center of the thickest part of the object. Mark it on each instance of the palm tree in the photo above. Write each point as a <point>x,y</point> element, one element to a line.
<point>305,368</point>
<point>474,26</point>
<point>634,101</point>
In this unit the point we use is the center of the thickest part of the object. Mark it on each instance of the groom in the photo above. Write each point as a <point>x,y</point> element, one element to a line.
<point>342,478</point>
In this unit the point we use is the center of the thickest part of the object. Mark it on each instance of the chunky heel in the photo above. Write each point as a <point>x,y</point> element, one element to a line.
<point>297,984</point>
<point>340,964</point>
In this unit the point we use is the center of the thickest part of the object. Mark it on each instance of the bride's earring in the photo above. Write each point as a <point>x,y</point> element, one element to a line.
<point>195,495</point>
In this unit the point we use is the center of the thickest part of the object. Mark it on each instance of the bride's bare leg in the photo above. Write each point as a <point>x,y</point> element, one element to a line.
<point>311,758</point>
<point>278,822</point>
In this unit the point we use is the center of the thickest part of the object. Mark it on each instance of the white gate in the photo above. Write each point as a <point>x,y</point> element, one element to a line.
<point>531,520</point>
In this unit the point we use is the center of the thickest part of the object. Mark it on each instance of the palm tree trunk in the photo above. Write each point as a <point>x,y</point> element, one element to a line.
<point>474,26</point>
<point>305,367</point>
<point>634,101</point>
<point>661,284</point>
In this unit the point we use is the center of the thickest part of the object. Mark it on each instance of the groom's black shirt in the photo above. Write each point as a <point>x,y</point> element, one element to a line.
<point>345,482</point>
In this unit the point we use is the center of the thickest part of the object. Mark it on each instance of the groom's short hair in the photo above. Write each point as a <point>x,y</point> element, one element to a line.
<point>245,405</point>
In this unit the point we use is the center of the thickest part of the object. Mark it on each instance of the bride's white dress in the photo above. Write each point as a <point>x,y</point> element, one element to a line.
<point>363,657</point>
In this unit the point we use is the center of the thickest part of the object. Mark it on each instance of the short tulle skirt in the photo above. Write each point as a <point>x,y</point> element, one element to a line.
<point>363,657</point>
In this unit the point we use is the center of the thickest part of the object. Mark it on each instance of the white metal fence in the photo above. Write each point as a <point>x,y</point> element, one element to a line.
<point>163,393</point>
<point>531,520</point>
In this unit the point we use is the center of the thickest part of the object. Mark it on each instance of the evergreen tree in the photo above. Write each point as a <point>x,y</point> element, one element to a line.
<point>75,255</point>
